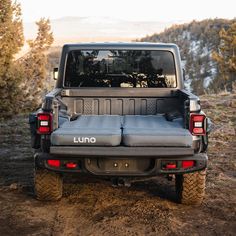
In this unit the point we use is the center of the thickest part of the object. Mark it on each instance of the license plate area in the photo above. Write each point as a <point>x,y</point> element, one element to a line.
<point>119,165</point>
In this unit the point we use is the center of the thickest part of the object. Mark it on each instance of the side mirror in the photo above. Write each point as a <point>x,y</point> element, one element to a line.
<point>184,74</point>
<point>55,73</point>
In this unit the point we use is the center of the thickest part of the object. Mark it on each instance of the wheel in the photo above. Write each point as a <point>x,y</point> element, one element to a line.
<point>190,188</point>
<point>48,185</point>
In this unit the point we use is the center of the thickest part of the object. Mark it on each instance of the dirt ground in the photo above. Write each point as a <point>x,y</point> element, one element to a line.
<point>91,206</point>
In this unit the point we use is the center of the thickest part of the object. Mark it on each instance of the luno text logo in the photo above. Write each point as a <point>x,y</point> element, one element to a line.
<point>84,140</point>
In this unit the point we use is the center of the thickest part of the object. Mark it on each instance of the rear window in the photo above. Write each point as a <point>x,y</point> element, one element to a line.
<point>120,68</point>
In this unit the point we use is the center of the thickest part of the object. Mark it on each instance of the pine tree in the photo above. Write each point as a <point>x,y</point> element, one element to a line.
<point>226,56</point>
<point>11,41</point>
<point>35,64</point>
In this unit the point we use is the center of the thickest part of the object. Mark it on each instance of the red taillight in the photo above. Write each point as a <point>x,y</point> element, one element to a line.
<point>42,129</point>
<point>54,163</point>
<point>44,123</point>
<point>198,130</point>
<point>71,165</point>
<point>197,124</point>
<point>171,166</point>
<point>44,117</point>
<point>187,164</point>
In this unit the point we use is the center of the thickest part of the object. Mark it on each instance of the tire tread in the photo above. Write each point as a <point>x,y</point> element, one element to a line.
<point>48,185</point>
<point>190,188</point>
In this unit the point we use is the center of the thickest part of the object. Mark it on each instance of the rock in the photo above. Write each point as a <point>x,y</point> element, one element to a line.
<point>13,186</point>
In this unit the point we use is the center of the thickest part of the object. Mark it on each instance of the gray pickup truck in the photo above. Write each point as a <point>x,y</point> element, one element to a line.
<point>120,110</point>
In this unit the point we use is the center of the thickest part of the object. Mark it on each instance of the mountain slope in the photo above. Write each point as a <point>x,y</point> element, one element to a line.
<point>197,41</point>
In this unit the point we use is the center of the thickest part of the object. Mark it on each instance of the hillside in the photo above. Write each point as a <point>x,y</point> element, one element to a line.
<point>197,41</point>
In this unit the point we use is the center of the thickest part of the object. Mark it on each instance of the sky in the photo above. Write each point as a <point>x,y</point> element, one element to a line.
<point>133,10</point>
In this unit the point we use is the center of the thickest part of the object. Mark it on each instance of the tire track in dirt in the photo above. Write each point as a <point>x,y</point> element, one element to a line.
<point>86,210</point>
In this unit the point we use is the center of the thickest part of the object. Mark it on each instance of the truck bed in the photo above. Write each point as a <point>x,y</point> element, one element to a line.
<point>128,130</point>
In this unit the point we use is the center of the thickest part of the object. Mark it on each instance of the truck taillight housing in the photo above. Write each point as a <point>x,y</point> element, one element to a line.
<point>44,123</point>
<point>188,164</point>
<point>197,124</point>
<point>54,163</point>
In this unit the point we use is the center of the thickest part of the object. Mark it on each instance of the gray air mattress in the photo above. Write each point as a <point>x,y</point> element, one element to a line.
<point>101,130</point>
<point>130,130</point>
<point>155,130</point>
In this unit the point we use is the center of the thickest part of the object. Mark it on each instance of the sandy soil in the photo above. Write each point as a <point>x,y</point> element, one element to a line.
<point>91,206</point>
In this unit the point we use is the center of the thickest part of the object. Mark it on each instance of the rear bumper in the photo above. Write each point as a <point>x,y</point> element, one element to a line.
<point>120,151</point>
<point>141,161</point>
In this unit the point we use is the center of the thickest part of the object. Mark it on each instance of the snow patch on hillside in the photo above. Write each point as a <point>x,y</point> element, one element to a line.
<point>207,81</point>
<point>194,47</point>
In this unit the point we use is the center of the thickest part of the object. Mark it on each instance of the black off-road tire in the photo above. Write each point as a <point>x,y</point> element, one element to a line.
<point>190,188</point>
<point>48,185</point>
